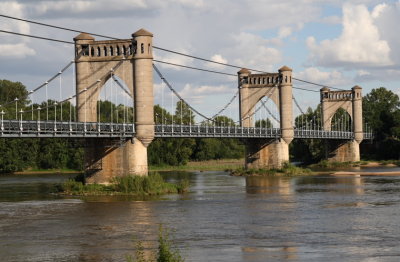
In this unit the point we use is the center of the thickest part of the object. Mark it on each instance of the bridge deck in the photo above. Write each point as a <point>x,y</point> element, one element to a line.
<point>15,128</point>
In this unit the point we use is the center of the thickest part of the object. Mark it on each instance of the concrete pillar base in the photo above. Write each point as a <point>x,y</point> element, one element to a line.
<point>262,153</point>
<point>106,159</point>
<point>343,152</point>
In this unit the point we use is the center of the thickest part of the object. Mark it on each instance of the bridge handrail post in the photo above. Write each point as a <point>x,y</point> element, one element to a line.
<point>2,121</point>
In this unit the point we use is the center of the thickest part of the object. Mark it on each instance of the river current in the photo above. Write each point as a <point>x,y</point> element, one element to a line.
<point>222,218</point>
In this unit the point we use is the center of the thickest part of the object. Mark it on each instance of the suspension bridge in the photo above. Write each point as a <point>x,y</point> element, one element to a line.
<point>265,110</point>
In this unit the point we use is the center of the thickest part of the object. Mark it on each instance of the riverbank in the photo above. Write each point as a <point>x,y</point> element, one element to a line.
<point>363,163</point>
<point>48,171</point>
<point>362,173</point>
<point>209,165</point>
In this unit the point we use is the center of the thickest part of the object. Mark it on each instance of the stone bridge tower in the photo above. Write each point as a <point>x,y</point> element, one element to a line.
<point>351,102</point>
<point>267,153</point>
<point>96,62</point>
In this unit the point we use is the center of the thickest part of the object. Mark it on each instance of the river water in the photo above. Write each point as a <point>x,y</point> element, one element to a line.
<point>223,218</point>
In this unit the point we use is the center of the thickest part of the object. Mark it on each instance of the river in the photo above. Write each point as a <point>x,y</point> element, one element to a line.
<point>223,218</point>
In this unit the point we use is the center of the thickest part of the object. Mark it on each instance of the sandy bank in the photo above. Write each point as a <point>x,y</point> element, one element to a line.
<point>347,173</point>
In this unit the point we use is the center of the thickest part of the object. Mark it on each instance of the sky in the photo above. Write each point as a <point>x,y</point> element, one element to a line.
<point>331,42</point>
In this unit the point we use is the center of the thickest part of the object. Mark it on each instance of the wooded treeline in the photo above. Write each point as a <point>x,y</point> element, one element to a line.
<point>380,106</point>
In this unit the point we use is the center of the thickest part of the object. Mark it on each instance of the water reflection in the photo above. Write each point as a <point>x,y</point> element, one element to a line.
<point>269,185</point>
<point>223,218</point>
<point>330,184</point>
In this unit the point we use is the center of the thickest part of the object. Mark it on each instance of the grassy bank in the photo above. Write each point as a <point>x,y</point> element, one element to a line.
<point>287,170</point>
<point>210,165</point>
<point>47,171</point>
<point>363,163</point>
<point>153,184</point>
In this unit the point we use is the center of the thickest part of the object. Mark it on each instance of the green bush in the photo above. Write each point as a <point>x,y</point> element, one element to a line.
<point>153,184</point>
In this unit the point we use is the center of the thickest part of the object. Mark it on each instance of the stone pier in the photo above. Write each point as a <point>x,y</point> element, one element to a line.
<point>95,63</point>
<point>351,102</point>
<point>267,153</point>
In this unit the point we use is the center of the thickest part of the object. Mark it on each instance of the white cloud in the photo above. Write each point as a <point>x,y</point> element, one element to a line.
<point>217,58</point>
<point>253,51</point>
<point>190,90</point>
<point>197,94</point>
<point>284,31</point>
<point>332,78</point>
<point>173,59</point>
<point>359,44</point>
<point>20,50</point>
<point>14,46</point>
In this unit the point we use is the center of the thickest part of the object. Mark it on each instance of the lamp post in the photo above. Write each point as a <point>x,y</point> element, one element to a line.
<point>20,122</point>
<point>39,108</point>
<point>16,108</point>
<point>2,120</point>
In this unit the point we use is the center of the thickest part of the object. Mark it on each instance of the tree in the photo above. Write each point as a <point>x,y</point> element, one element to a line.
<point>381,112</point>
<point>183,114</point>
<point>223,121</point>
<point>9,91</point>
<point>266,123</point>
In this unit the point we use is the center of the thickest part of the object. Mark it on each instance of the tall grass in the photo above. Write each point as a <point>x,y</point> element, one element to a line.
<point>153,184</point>
<point>166,251</point>
<point>287,169</point>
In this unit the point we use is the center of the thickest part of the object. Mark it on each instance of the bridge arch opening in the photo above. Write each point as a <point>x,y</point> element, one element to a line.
<point>115,102</point>
<point>266,113</point>
<point>341,120</point>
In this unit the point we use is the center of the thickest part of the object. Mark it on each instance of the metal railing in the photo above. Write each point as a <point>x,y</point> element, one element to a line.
<point>215,131</point>
<point>18,128</point>
<point>15,128</point>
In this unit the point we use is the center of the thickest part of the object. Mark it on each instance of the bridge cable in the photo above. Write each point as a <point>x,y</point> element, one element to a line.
<point>269,111</point>
<point>80,92</point>
<point>258,109</point>
<point>45,83</point>
<point>37,37</point>
<point>194,68</point>
<point>171,51</point>
<point>177,94</point>
<point>226,106</point>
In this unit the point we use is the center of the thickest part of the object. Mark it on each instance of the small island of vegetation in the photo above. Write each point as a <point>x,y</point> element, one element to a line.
<point>152,184</point>
<point>286,170</point>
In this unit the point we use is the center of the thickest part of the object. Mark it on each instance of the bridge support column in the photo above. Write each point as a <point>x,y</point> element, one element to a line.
<point>96,63</point>
<point>339,151</point>
<point>262,153</point>
<point>351,101</point>
<point>267,153</point>
<point>107,159</point>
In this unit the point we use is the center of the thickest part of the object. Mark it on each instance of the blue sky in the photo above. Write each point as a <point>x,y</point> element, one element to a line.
<point>332,42</point>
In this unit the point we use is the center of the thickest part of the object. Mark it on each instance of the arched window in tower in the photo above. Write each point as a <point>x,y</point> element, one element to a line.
<point>124,50</point>
<point>98,51</point>
<point>92,51</point>
<point>111,51</point>
<point>105,51</point>
<point>85,50</point>
<point>118,50</point>
<point>142,48</point>
<point>148,48</point>
<point>132,49</point>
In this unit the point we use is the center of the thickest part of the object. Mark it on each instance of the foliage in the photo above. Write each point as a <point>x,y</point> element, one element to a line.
<point>153,184</point>
<point>286,170</point>
<point>266,123</point>
<point>382,114</point>
<point>166,251</point>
